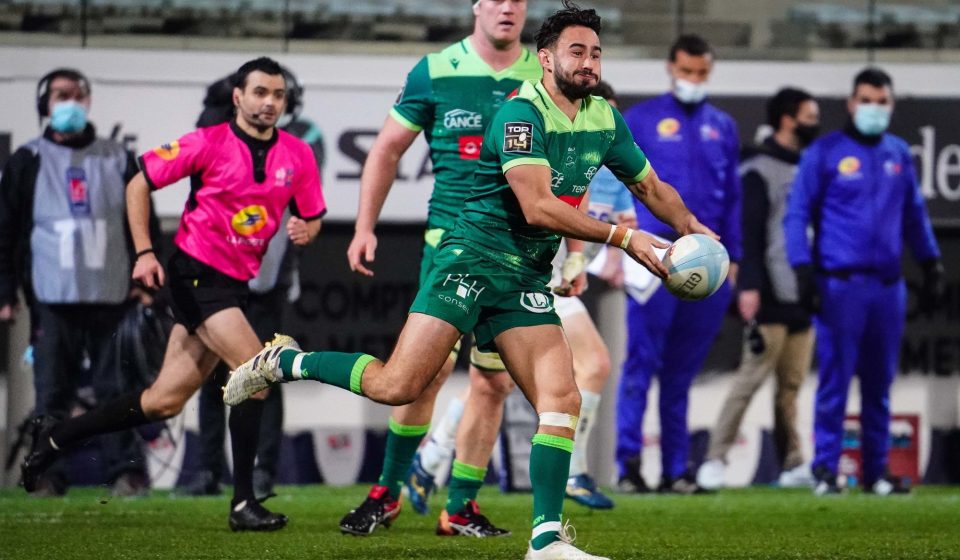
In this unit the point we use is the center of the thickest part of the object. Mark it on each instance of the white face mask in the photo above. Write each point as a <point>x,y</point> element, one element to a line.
<point>688,92</point>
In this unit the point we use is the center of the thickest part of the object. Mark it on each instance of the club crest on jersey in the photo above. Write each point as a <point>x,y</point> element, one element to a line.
<point>168,152</point>
<point>517,137</point>
<point>892,168</point>
<point>249,220</point>
<point>283,177</point>
<point>77,191</point>
<point>461,119</point>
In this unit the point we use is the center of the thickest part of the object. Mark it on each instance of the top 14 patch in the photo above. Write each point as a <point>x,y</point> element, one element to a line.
<point>518,137</point>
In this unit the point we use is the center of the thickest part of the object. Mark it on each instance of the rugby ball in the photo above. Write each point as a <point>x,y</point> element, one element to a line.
<point>697,266</point>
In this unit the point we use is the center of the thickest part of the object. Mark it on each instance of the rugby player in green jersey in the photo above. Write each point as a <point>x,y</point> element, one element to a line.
<point>450,95</point>
<point>491,271</point>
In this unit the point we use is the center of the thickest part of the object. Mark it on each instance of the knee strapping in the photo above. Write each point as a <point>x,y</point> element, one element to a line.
<point>559,420</point>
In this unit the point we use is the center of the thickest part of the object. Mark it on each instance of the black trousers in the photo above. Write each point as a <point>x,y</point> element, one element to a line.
<point>66,337</point>
<point>263,312</point>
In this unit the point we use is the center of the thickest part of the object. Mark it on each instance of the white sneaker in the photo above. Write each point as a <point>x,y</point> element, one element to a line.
<point>797,477</point>
<point>562,549</point>
<point>257,373</point>
<point>712,474</point>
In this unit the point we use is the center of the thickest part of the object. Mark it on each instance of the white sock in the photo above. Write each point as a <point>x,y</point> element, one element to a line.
<point>589,402</point>
<point>438,451</point>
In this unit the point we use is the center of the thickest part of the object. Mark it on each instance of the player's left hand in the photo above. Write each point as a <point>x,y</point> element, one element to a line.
<point>298,231</point>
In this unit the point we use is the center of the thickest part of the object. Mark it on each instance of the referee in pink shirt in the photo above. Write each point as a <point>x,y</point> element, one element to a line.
<point>249,173</point>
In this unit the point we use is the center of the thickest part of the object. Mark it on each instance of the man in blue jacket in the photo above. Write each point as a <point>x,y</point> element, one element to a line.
<point>697,147</point>
<point>858,189</point>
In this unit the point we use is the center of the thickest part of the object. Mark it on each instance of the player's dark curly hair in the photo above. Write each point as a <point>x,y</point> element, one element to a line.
<point>263,64</point>
<point>570,15</point>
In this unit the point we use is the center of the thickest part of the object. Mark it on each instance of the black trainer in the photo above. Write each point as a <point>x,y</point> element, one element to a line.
<point>826,481</point>
<point>203,483</point>
<point>685,484</point>
<point>250,515</point>
<point>41,454</point>
<point>632,481</point>
<point>379,508</point>
<point>468,522</point>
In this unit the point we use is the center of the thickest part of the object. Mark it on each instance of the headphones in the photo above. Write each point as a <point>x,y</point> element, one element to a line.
<point>43,87</point>
<point>294,93</point>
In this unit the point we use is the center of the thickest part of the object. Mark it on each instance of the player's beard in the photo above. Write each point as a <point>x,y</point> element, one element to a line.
<point>569,86</point>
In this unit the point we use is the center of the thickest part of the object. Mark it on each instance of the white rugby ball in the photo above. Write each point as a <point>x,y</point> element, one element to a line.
<point>697,266</point>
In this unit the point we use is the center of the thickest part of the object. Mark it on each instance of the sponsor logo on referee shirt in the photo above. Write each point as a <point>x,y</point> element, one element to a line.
<point>168,152</point>
<point>249,220</point>
<point>283,177</point>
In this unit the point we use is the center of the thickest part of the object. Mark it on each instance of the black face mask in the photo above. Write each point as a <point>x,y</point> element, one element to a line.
<point>807,133</point>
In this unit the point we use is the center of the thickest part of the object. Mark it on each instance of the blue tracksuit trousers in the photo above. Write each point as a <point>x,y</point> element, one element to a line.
<point>859,329</point>
<point>668,339</point>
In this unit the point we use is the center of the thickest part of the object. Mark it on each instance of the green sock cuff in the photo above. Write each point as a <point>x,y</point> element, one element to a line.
<point>468,472</point>
<point>286,363</point>
<point>408,431</point>
<point>557,442</point>
<point>356,373</point>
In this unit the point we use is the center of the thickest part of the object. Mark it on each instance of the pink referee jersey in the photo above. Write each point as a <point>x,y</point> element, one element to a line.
<point>240,187</point>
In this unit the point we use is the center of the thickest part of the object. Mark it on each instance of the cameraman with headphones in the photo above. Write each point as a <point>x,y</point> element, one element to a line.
<point>64,240</point>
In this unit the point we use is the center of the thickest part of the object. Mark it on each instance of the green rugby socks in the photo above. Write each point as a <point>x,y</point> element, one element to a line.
<point>402,444</point>
<point>333,368</point>
<point>549,467</point>
<point>465,483</point>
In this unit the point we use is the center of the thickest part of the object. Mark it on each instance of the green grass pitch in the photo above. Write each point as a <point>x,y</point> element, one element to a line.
<point>748,523</point>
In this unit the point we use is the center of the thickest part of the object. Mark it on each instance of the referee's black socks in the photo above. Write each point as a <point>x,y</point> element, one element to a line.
<point>113,416</point>
<point>244,437</point>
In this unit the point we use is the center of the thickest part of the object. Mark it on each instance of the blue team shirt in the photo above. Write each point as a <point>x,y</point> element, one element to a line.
<point>862,201</point>
<point>697,151</point>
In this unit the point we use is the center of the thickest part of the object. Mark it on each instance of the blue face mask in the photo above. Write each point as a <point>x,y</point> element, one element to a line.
<point>872,119</point>
<point>68,117</point>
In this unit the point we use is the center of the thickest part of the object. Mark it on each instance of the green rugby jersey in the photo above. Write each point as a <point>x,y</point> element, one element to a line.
<point>451,95</point>
<point>531,130</point>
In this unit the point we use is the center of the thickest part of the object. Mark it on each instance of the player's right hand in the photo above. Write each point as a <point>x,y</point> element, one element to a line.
<point>641,250</point>
<point>363,248</point>
<point>148,272</point>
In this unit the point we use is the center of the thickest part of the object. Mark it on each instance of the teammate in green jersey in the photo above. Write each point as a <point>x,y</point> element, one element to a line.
<point>451,96</point>
<point>491,272</point>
